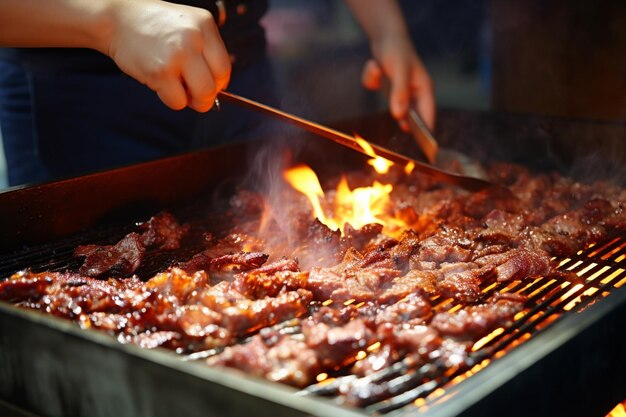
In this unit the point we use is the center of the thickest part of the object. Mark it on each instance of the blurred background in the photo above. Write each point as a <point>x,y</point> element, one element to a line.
<point>319,50</point>
<point>558,58</point>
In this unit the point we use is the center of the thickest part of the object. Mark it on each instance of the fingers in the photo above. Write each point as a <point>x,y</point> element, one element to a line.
<point>217,58</point>
<point>411,86</point>
<point>171,92</point>
<point>203,66</point>
<point>207,72</point>
<point>399,95</point>
<point>425,105</point>
<point>200,83</point>
<point>372,74</point>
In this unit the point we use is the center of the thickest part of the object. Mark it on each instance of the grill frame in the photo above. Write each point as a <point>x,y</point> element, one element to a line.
<point>207,390</point>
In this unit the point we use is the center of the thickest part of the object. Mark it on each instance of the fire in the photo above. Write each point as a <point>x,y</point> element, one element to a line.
<point>380,164</point>
<point>357,207</point>
<point>303,179</point>
<point>619,410</point>
<point>362,205</point>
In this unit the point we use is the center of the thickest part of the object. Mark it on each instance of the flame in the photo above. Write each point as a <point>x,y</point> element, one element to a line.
<point>303,179</point>
<point>380,164</point>
<point>618,411</point>
<point>357,207</point>
<point>410,166</point>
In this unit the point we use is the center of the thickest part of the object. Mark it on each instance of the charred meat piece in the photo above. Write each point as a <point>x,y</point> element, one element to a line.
<point>242,315</point>
<point>414,306</point>
<point>123,258</point>
<point>360,238</point>
<point>517,264</point>
<point>421,282</point>
<point>271,279</point>
<point>177,283</point>
<point>317,245</point>
<point>337,346</point>
<point>163,231</point>
<point>297,360</point>
<point>407,246</point>
<point>418,342</point>
<point>473,322</point>
<point>228,263</point>
<point>356,278</point>
<point>447,245</point>
<point>70,295</point>
<point>285,359</point>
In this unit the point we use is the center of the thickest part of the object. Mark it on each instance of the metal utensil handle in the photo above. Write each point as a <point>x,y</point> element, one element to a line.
<point>470,184</point>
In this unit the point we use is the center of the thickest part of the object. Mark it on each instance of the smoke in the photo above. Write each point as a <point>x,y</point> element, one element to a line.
<point>599,153</point>
<point>267,163</point>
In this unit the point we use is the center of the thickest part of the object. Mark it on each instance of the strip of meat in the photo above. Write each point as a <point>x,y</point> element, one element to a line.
<point>228,263</point>
<point>517,264</point>
<point>358,277</point>
<point>360,238</point>
<point>473,322</point>
<point>448,245</point>
<point>123,258</point>
<point>271,279</point>
<point>337,346</point>
<point>163,231</point>
<point>287,360</point>
<point>415,305</point>
<point>70,295</point>
<point>297,360</point>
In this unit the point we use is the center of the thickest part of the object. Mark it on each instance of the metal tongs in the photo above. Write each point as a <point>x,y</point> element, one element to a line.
<point>467,183</point>
<point>442,158</point>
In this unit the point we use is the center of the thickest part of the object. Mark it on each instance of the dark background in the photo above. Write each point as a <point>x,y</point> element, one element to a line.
<point>558,58</point>
<point>555,57</point>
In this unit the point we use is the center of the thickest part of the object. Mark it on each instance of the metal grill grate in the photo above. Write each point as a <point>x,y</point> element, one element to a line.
<point>597,271</point>
<point>58,256</point>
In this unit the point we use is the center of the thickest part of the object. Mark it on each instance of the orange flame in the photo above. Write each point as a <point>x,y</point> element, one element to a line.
<point>356,207</point>
<point>619,410</point>
<point>380,164</point>
<point>303,179</point>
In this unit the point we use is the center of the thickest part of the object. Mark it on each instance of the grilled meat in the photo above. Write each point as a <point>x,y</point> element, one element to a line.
<point>361,300</point>
<point>161,232</point>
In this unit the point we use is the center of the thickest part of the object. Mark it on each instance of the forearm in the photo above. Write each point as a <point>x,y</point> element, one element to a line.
<point>57,23</point>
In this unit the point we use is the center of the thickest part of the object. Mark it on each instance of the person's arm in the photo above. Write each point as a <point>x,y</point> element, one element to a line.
<point>392,49</point>
<point>175,50</point>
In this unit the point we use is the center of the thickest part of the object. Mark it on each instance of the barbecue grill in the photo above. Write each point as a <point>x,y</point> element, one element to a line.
<point>561,356</point>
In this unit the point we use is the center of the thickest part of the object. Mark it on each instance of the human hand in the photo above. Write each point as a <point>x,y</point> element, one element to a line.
<point>411,85</point>
<point>176,50</point>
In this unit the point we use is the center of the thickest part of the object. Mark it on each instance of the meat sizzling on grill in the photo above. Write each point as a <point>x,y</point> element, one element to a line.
<point>123,258</point>
<point>296,298</point>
